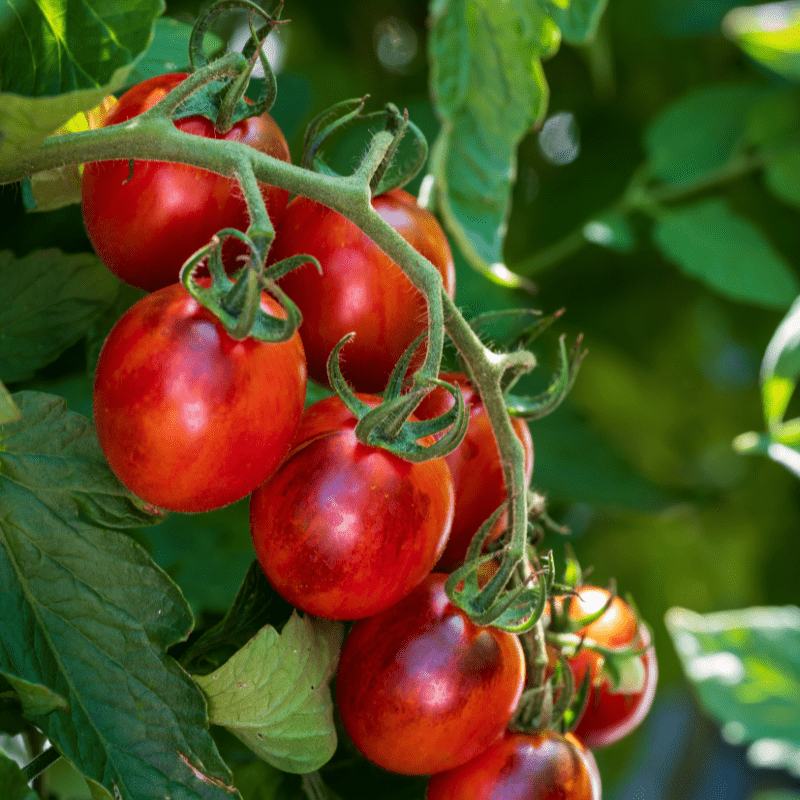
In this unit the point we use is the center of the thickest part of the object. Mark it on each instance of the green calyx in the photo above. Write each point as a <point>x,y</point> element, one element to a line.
<point>388,425</point>
<point>223,101</point>
<point>236,302</point>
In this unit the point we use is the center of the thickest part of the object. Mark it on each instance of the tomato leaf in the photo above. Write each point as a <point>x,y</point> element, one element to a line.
<point>745,668</point>
<point>273,693</point>
<point>13,780</point>
<point>62,57</point>
<point>768,35</point>
<point>50,301</point>
<point>8,408</point>
<point>727,252</point>
<point>577,19</point>
<point>85,613</point>
<point>782,176</point>
<point>489,89</point>
<point>35,698</point>
<point>700,132</point>
<point>257,604</point>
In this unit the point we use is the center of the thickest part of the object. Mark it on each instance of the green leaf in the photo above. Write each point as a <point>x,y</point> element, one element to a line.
<point>169,50</point>
<point>612,231</point>
<point>35,698</point>
<point>257,604</point>
<point>205,554</point>
<point>8,408</point>
<point>274,695</point>
<point>489,89</point>
<point>764,444</point>
<point>62,57</point>
<point>13,780</point>
<point>85,612</point>
<point>577,19</point>
<point>745,668</point>
<point>782,176</point>
<point>50,299</point>
<point>780,368</point>
<point>729,254</point>
<point>700,132</point>
<point>775,119</point>
<point>768,36</point>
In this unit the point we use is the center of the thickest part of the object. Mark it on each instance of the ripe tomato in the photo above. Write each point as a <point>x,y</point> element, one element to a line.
<point>475,466</point>
<point>521,766</point>
<point>421,688</point>
<point>145,228</point>
<point>360,289</point>
<point>610,715</point>
<point>343,530</point>
<point>188,418</point>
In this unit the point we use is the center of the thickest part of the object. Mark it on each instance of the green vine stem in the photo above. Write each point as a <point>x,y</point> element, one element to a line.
<point>152,136</point>
<point>39,764</point>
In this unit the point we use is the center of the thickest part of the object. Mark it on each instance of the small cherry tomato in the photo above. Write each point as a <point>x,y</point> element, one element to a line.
<point>521,766</point>
<point>144,226</point>
<point>475,466</point>
<point>421,688</point>
<point>343,530</point>
<point>189,418</point>
<point>612,713</point>
<point>360,289</point>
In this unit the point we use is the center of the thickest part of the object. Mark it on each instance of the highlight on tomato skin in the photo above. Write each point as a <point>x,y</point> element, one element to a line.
<point>421,689</point>
<point>145,225</point>
<point>343,530</point>
<point>360,289</point>
<point>521,766</point>
<point>611,714</point>
<point>188,418</point>
<point>475,466</point>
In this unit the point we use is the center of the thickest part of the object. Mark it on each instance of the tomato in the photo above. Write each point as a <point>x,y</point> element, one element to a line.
<point>475,466</point>
<point>145,228</point>
<point>421,688</point>
<point>188,418</point>
<point>521,766</point>
<point>344,530</point>
<point>610,715</point>
<point>360,289</point>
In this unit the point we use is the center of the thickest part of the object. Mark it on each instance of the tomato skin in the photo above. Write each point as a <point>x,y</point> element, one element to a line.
<point>475,466</point>
<point>343,530</point>
<point>610,715</point>
<point>545,766</point>
<point>188,418</point>
<point>360,289</point>
<point>421,688</point>
<point>145,228</point>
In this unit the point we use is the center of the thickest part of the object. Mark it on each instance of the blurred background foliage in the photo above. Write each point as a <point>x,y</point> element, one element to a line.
<point>638,462</point>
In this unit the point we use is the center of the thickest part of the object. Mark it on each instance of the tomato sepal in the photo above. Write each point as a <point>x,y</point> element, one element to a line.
<point>236,302</point>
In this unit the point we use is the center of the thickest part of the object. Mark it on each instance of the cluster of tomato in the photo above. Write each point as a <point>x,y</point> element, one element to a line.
<point>191,419</point>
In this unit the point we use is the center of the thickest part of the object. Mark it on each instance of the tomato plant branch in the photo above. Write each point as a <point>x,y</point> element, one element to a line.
<point>39,764</point>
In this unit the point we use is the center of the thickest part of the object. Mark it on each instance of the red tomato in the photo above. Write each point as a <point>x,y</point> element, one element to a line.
<point>475,466</point>
<point>361,289</point>
<point>188,418</point>
<point>145,228</point>
<point>521,766</point>
<point>421,688</point>
<point>610,715</point>
<point>343,530</point>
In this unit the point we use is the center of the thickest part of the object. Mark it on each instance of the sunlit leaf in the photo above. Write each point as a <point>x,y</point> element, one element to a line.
<point>768,33</point>
<point>577,19</point>
<point>274,694</point>
<point>745,668</point>
<point>489,89</point>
